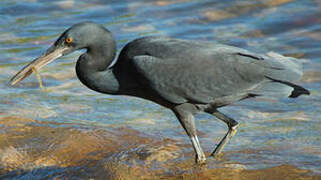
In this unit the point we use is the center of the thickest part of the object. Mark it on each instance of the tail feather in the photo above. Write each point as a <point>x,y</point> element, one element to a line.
<point>297,90</point>
<point>280,73</point>
<point>283,68</point>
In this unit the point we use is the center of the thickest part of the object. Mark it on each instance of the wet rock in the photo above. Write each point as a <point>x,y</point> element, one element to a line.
<point>27,144</point>
<point>11,158</point>
<point>47,150</point>
<point>159,152</point>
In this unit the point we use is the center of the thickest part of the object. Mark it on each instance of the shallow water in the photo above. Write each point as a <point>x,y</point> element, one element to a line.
<point>276,137</point>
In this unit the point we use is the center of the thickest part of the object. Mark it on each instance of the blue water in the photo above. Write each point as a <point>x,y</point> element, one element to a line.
<point>290,127</point>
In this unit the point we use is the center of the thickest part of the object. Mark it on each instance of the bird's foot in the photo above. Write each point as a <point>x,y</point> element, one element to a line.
<point>200,160</point>
<point>217,155</point>
<point>234,130</point>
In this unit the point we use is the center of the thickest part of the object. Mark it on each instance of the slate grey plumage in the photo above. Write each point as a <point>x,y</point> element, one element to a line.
<point>183,75</point>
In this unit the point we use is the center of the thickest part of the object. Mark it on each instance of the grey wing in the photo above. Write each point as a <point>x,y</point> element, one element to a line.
<point>180,81</point>
<point>221,74</point>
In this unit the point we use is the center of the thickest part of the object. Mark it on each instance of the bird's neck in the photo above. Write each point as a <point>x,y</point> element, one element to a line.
<point>100,81</point>
<point>99,56</point>
<point>92,68</point>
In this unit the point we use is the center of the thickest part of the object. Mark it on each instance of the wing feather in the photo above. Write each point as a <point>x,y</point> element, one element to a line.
<point>199,72</point>
<point>180,81</point>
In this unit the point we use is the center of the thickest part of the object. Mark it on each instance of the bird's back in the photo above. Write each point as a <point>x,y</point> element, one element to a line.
<point>199,72</point>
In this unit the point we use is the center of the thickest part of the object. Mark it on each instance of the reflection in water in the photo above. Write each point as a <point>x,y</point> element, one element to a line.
<point>67,130</point>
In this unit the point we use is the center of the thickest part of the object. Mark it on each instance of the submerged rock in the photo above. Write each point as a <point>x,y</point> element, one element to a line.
<point>27,145</point>
<point>31,149</point>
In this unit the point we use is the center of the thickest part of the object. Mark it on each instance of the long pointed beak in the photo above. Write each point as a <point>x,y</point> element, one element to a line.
<point>51,54</point>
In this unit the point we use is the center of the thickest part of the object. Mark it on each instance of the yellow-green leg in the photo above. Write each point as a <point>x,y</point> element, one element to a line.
<point>232,129</point>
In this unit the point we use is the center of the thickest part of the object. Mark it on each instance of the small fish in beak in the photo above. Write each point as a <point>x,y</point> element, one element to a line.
<point>38,77</point>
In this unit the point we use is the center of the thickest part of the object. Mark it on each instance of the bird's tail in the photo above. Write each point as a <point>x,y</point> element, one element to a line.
<point>280,73</point>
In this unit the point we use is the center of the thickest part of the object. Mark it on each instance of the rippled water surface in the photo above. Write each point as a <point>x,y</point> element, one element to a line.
<point>68,131</point>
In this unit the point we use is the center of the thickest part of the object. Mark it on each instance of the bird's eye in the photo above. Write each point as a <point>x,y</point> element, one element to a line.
<point>68,40</point>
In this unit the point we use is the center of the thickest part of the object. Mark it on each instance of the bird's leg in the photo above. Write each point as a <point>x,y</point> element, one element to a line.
<point>184,113</point>
<point>232,129</point>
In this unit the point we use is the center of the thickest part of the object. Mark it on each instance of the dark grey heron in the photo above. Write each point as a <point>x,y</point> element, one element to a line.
<point>185,76</point>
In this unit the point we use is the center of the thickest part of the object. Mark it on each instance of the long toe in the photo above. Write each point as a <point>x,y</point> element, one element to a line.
<point>216,154</point>
<point>201,159</point>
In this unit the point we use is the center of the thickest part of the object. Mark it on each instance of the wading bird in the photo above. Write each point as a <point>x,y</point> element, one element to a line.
<point>183,75</point>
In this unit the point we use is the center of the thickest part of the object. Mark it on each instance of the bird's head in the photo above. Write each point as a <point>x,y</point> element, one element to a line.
<point>84,35</point>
